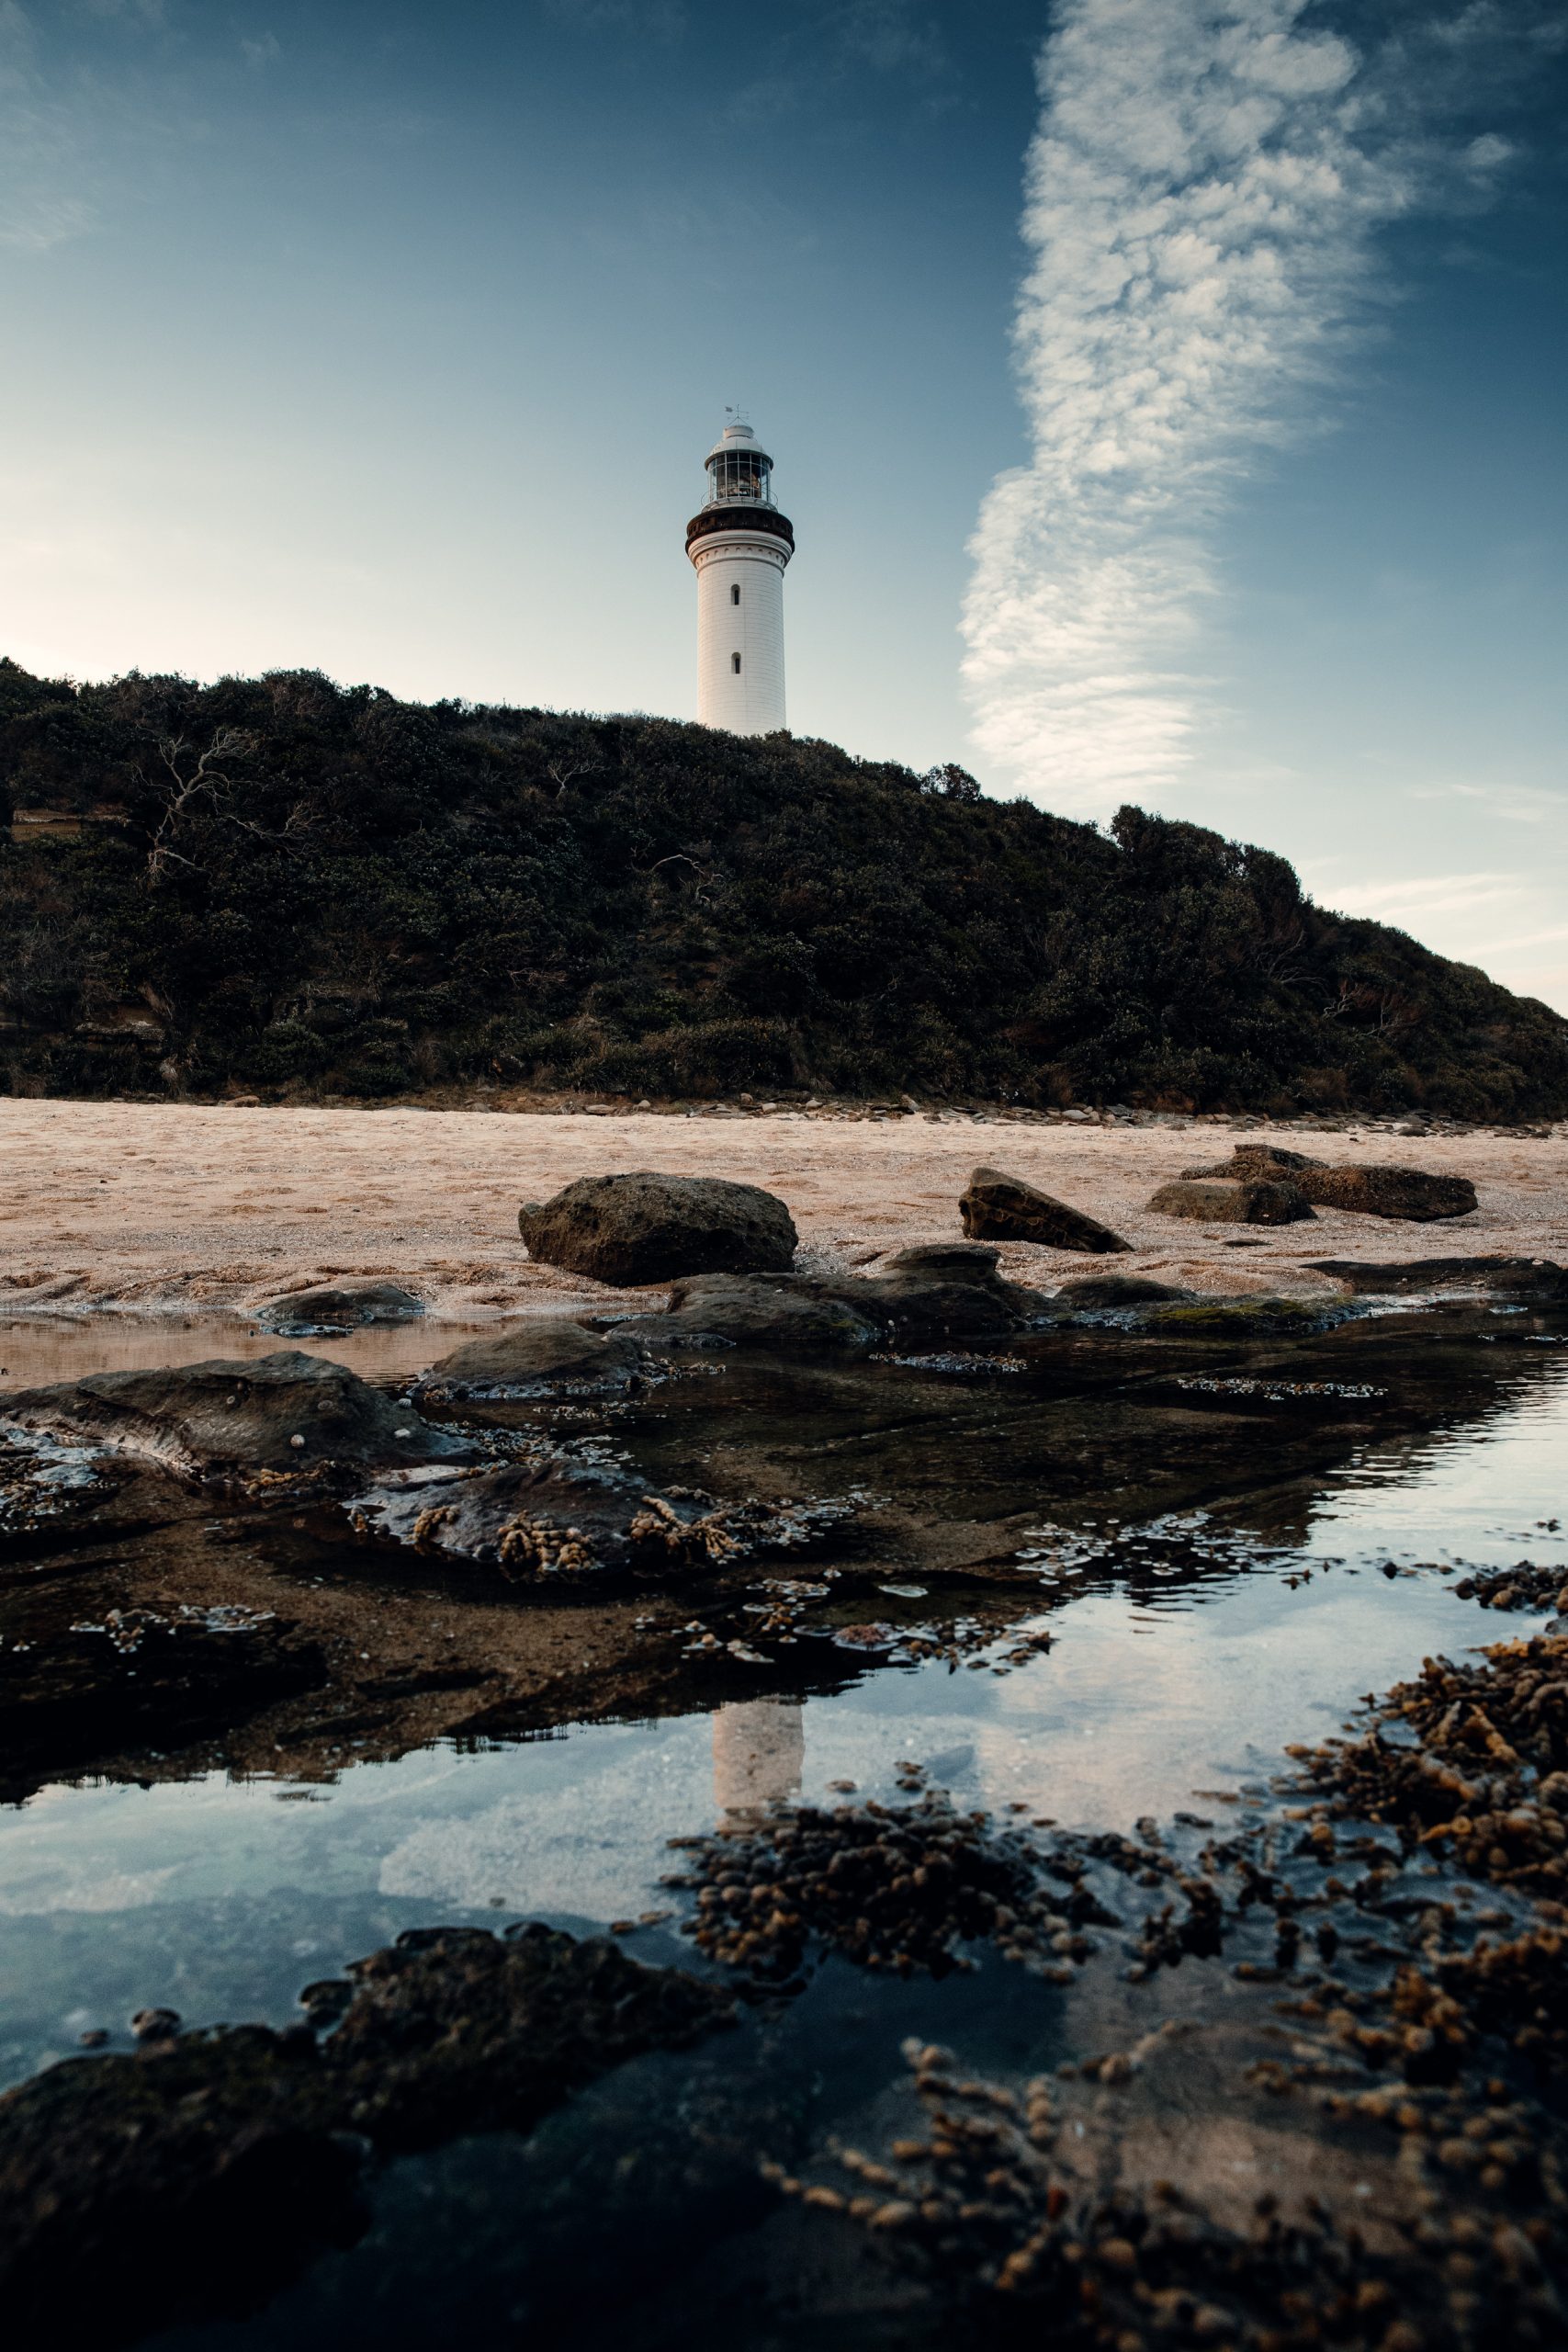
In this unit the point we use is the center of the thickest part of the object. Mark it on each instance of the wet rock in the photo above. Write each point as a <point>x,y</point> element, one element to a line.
<point>286,1412</point>
<point>71,1696</point>
<point>1219,1201</point>
<point>1532,1281</point>
<point>1202,1318</point>
<point>334,1307</point>
<point>946,1291</point>
<point>787,1312</point>
<point>576,1515</point>
<point>649,1228</point>
<point>996,1208</point>
<point>1367,1189</point>
<point>196,2178</point>
<point>1089,1291</point>
<point>1528,1583</point>
<point>539,1358</point>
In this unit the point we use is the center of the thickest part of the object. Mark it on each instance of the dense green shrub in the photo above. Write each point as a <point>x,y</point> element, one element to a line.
<point>279,883</point>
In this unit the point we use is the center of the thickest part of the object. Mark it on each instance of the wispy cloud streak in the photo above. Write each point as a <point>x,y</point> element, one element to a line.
<point>1200,198</point>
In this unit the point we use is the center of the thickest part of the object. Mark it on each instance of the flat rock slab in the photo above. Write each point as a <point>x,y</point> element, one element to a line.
<point>558,1358</point>
<point>1211,1200</point>
<point>1091,1291</point>
<point>998,1208</point>
<point>651,1229</point>
<point>336,1306</point>
<point>285,1411</point>
<point>1536,1280</point>
<point>1203,1318</point>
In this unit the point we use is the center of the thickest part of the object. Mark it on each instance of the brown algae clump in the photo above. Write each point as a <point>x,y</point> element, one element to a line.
<point>1136,2206</point>
<point>1484,1782</point>
<point>897,1888</point>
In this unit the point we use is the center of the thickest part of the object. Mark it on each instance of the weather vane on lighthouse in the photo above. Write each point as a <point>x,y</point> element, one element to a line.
<point>740,544</point>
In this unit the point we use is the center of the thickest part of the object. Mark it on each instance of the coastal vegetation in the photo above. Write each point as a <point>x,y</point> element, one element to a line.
<point>313,892</point>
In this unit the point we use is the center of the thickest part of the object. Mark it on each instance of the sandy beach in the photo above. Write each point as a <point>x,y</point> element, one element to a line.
<point>154,1208</point>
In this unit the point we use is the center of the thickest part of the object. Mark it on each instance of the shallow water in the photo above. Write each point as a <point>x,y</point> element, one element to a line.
<point>215,1895</point>
<point>38,1349</point>
<point>1189,1648</point>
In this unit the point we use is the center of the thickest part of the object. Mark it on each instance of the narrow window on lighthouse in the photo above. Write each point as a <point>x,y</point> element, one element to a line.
<point>735,663</point>
<point>735,592</point>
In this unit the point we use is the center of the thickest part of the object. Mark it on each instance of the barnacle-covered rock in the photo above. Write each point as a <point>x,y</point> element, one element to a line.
<point>581,1514</point>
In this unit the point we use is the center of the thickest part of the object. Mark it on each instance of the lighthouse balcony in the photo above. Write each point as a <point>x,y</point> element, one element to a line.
<point>734,517</point>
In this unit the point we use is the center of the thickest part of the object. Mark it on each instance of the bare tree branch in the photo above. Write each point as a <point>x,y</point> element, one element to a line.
<point>561,772</point>
<point>195,780</point>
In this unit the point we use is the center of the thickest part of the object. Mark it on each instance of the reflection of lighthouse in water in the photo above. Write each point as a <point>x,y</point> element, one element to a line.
<point>758,1750</point>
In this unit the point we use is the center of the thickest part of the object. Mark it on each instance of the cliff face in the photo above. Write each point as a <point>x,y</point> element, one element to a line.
<point>301,889</point>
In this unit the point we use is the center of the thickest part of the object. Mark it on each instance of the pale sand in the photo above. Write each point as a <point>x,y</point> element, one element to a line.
<point>157,1208</point>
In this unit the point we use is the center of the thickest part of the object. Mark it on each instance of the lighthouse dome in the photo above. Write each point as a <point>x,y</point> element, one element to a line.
<point>740,472</point>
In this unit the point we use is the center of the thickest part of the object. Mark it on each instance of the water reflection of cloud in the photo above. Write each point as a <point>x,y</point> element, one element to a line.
<point>591,1842</point>
<point>83,1882</point>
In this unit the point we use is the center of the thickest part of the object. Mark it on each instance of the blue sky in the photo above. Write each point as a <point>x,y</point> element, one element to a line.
<point>1167,394</point>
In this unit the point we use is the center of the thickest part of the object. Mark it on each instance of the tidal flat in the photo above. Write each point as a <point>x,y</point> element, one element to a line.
<point>1062,1833</point>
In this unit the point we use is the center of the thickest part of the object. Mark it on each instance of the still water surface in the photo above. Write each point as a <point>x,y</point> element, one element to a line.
<point>221,1897</point>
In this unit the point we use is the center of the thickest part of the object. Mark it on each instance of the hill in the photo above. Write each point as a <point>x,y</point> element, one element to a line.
<point>297,888</point>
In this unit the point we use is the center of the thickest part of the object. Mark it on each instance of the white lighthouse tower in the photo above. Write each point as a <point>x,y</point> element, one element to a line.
<point>739,543</point>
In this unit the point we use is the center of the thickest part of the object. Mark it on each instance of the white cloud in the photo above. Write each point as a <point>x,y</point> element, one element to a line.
<point>264,49</point>
<point>1501,921</point>
<point>1435,894</point>
<point>1200,199</point>
<point>1487,155</point>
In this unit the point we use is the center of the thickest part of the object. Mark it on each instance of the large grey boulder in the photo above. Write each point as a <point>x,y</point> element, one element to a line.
<point>998,1208</point>
<point>285,1411</point>
<point>652,1228</point>
<point>1215,1200</point>
<point>554,1358</point>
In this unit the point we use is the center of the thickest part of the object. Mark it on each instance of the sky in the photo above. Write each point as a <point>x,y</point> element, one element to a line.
<point>1167,394</point>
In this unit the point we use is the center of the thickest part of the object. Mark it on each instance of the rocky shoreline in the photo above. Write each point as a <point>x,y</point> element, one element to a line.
<point>138,1210</point>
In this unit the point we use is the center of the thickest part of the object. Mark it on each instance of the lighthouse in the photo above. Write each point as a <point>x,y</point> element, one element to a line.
<point>740,544</point>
